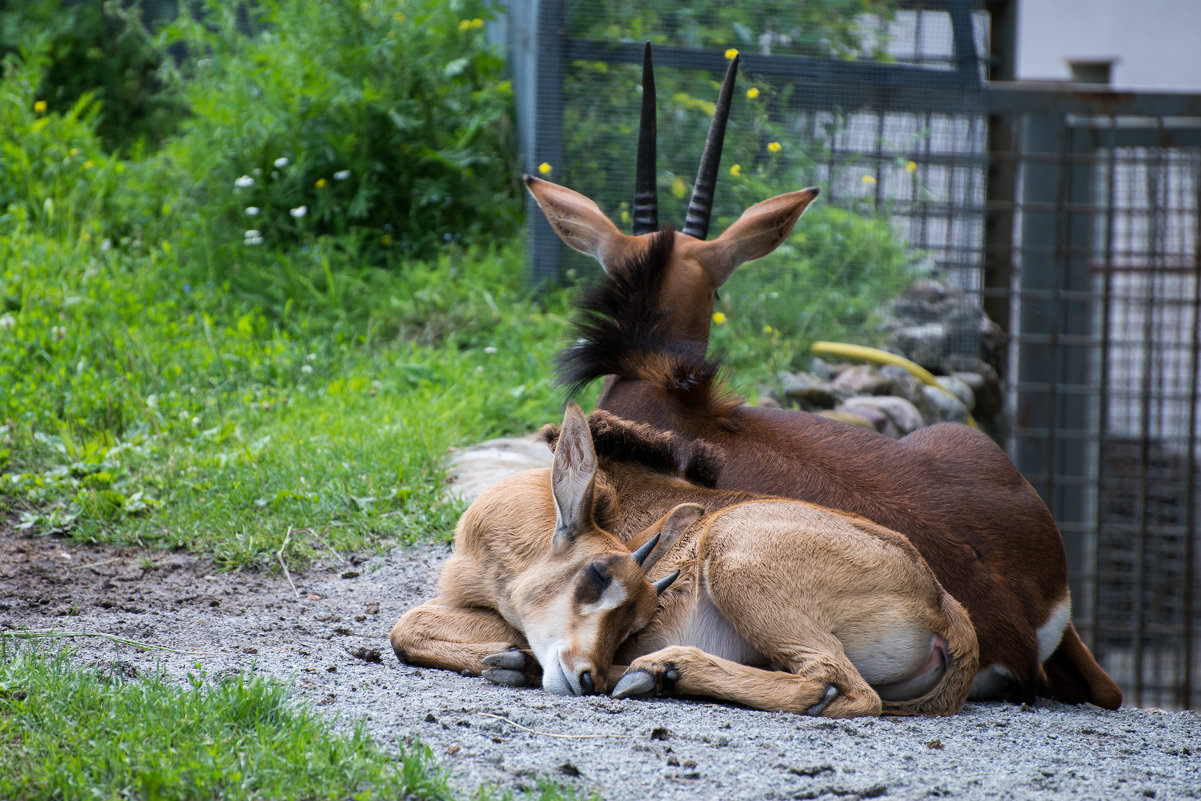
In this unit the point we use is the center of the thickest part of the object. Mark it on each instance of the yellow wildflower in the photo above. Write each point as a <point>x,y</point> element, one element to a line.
<point>678,187</point>
<point>736,170</point>
<point>40,106</point>
<point>869,179</point>
<point>545,168</point>
<point>89,164</point>
<point>767,329</point>
<point>625,216</point>
<point>719,318</point>
<point>752,93</point>
<point>731,54</point>
<point>774,147</point>
<point>386,240</point>
<point>910,166</point>
<point>321,182</point>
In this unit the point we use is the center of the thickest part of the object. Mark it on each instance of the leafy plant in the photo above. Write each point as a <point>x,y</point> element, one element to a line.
<point>102,50</point>
<point>385,122</point>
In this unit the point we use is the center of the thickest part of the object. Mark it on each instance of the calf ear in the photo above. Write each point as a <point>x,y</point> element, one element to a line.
<point>666,530</point>
<point>573,477</point>
<point>581,224</point>
<point>760,230</point>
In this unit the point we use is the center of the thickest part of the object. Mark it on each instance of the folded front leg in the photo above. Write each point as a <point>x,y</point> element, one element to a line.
<point>685,670</point>
<point>441,635</point>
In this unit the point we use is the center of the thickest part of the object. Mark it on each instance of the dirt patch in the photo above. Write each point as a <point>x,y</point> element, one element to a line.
<point>328,634</point>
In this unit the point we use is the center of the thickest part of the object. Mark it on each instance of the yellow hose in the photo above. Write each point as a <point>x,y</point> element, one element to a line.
<point>846,350</point>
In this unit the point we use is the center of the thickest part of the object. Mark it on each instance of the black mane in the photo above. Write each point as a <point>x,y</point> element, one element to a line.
<point>620,329</point>
<point>619,440</point>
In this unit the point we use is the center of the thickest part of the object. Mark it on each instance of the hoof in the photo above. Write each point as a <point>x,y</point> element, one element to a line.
<point>507,660</point>
<point>636,684</point>
<point>827,698</point>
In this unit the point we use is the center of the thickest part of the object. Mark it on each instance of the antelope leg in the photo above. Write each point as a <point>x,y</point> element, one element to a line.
<point>472,641</point>
<point>684,670</point>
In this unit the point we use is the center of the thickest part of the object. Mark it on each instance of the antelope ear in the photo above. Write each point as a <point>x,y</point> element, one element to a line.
<point>573,477</point>
<point>581,224</point>
<point>759,231</point>
<point>667,530</point>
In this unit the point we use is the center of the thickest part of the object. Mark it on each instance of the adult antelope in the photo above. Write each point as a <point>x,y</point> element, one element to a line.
<point>771,603</point>
<point>978,523</point>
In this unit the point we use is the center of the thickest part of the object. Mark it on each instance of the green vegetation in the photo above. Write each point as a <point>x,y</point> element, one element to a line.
<point>79,733</point>
<point>72,733</point>
<point>172,380</point>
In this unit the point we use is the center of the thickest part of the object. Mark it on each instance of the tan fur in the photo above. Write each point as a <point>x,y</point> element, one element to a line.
<point>786,597</point>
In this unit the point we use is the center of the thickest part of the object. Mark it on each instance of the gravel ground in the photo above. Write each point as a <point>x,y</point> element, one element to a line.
<point>329,631</point>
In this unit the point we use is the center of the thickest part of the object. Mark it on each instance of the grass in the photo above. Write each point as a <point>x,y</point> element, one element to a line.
<point>79,733</point>
<point>201,418</point>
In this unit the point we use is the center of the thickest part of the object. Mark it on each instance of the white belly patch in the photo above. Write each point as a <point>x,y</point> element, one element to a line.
<point>709,631</point>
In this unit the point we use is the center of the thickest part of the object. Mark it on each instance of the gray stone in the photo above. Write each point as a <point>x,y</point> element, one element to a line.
<point>822,368</point>
<point>874,415</point>
<point>809,392</point>
<point>959,389</point>
<point>901,412</point>
<point>845,416</point>
<point>906,385</point>
<point>950,408</point>
<point>862,379</point>
<point>925,344</point>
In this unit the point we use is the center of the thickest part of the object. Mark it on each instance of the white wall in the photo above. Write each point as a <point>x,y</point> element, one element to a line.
<point>1155,41</point>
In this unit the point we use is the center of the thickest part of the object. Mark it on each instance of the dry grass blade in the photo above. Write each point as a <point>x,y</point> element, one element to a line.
<point>545,733</point>
<point>57,634</point>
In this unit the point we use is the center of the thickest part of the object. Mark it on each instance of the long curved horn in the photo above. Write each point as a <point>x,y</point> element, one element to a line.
<point>701,205</point>
<point>665,582</point>
<point>645,549</point>
<point>646,200</point>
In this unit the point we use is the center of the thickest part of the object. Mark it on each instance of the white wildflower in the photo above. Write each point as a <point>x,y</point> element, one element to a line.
<point>253,237</point>
<point>299,211</point>
<point>281,162</point>
<point>252,211</point>
<point>306,368</point>
<point>7,321</point>
<point>244,182</point>
<point>341,175</point>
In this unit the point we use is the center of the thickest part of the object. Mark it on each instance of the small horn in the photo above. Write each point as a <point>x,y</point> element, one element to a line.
<point>700,206</point>
<point>646,200</point>
<point>665,582</point>
<point>645,548</point>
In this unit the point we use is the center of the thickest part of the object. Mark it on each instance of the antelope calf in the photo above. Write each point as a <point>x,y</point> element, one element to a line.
<point>949,489</point>
<point>771,603</point>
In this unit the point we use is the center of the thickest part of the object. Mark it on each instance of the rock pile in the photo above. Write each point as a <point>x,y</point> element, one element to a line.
<point>938,328</point>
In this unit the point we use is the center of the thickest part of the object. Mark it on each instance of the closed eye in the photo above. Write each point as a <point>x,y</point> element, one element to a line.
<point>598,575</point>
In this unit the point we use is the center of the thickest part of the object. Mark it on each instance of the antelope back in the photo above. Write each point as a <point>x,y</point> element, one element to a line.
<point>697,267</point>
